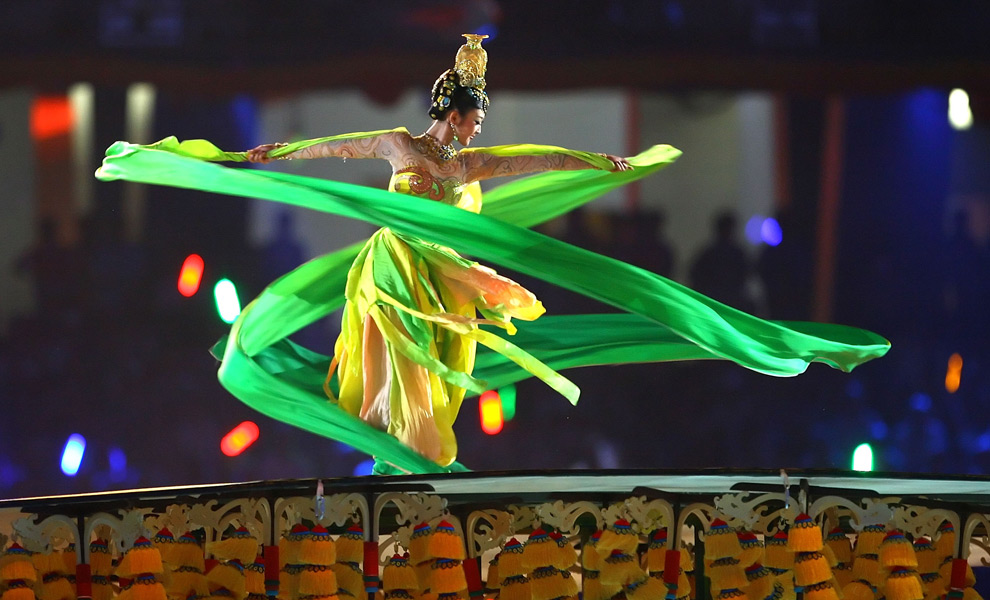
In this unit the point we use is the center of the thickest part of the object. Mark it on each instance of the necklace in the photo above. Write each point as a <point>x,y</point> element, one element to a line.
<point>431,146</point>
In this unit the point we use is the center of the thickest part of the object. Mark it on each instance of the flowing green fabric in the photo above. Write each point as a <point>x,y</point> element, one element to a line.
<point>664,322</point>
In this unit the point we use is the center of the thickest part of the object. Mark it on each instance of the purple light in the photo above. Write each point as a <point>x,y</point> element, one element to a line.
<point>754,228</point>
<point>770,232</point>
<point>763,230</point>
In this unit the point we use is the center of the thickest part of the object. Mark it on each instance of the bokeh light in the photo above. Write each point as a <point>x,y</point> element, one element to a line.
<point>770,232</point>
<point>953,374</point>
<point>365,467</point>
<point>228,304</point>
<point>490,408</point>
<point>72,454</point>
<point>51,116</point>
<point>763,230</point>
<point>239,438</point>
<point>508,396</point>
<point>190,275</point>
<point>753,227</point>
<point>960,115</point>
<point>863,458</point>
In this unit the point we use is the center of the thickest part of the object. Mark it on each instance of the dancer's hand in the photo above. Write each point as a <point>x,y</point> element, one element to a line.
<point>620,164</point>
<point>260,153</point>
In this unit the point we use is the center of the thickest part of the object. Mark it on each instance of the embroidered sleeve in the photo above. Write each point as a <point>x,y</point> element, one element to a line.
<point>379,146</point>
<point>481,165</point>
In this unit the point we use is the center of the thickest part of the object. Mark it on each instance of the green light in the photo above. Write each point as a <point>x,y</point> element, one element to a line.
<point>863,458</point>
<point>508,395</point>
<point>228,305</point>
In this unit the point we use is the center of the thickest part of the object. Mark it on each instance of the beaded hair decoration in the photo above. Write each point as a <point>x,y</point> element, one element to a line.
<point>468,72</point>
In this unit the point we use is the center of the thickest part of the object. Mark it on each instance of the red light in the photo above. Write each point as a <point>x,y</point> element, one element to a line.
<point>191,275</point>
<point>50,116</point>
<point>239,438</point>
<point>490,407</point>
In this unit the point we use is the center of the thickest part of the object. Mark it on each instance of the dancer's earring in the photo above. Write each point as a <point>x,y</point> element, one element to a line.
<point>453,130</point>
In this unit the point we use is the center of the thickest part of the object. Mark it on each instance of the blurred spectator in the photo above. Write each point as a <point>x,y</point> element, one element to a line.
<point>786,272</point>
<point>283,252</point>
<point>117,270</point>
<point>640,241</point>
<point>966,264</point>
<point>56,272</point>
<point>722,269</point>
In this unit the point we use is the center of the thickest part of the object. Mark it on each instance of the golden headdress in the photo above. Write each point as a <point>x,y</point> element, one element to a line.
<point>469,69</point>
<point>471,61</point>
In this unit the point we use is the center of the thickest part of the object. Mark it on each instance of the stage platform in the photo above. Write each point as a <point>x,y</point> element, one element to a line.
<point>489,508</point>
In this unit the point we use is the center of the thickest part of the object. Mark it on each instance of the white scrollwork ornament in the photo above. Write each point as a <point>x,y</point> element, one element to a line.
<point>204,515</point>
<point>175,519</point>
<point>52,533</point>
<point>338,510</point>
<point>748,510</point>
<point>874,511</point>
<point>524,517</point>
<point>252,514</point>
<point>343,508</point>
<point>650,515</point>
<point>121,531</point>
<point>7,519</point>
<point>615,512</point>
<point>413,508</point>
<point>487,530</point>
<point>919,520</point>
<point>973,523</point>
<point>564,517</point>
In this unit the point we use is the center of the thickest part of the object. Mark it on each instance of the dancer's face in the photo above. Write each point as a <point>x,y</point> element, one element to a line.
<point>467,124</point>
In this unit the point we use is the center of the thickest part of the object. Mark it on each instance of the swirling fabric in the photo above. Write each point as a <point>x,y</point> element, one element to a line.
<point>663,320</point>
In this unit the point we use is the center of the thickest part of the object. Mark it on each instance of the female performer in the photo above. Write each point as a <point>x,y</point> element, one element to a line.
<point>410,325</point>
<point>413,307</point>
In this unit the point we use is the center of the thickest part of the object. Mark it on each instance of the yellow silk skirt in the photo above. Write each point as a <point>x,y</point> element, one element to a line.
<point>409,333</point>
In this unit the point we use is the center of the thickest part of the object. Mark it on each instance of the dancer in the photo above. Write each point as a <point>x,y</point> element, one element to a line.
<point>407,345</point>
<point>406,354</point>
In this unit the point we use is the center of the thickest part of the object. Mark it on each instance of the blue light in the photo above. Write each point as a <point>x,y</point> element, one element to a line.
<point>245,111</point>
<point>72,455</point>
<point>488,29</point>
<point>365,467</point>
<point>9,473</point>
<point>921,402</point>
<point>674,13</point>
<point>770,232</point>
<point>983,442</point>
<point>117,459</point>
<point>343,448</point>
<point>763,230</point>
<point>878,429</point>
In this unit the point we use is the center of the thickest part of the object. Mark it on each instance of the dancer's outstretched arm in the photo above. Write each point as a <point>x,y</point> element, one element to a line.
<point>378,146</point>
<point>480,164</point>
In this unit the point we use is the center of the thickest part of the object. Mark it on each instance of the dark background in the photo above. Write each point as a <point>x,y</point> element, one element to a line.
<point>111,351</point>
